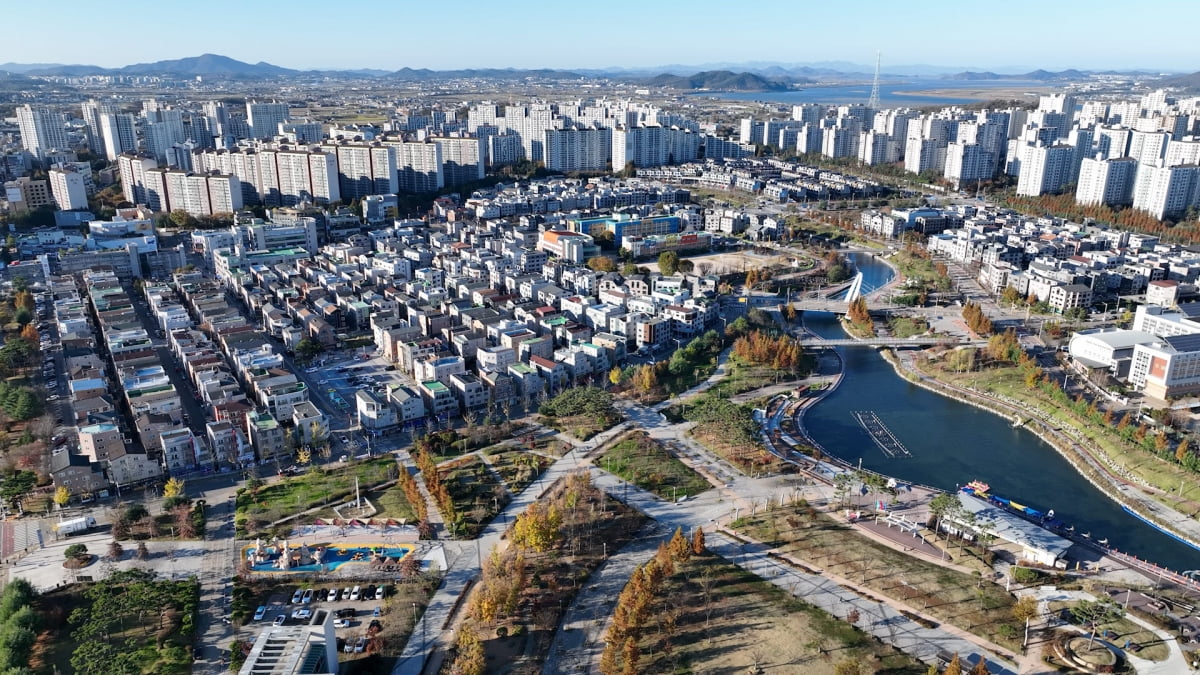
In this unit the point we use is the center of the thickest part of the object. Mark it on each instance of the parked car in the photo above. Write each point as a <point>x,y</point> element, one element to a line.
<point>360,644</point>
<point>380,592</point>
<point>375,627</point>
<point>302,613</point>
<point>332,596</point>
<point>297,596</point>
<point>355,593</point>
<point>280,619</point>
<point>349,648</point>
<point>377,613</point>
<point>307,597</point>
<point>260,612</point>
<point>346,593</point>
<point>346,613</point>
<point>341,623</point>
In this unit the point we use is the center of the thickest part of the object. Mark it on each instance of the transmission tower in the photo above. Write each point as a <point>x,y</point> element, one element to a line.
<point>873,102</point>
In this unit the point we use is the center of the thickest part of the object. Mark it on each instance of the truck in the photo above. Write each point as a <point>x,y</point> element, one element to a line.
<point>79,525</point>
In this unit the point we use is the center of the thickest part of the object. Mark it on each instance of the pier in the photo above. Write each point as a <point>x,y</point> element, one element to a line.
<point>883,437</point>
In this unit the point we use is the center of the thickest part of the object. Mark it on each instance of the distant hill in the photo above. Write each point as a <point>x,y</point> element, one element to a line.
<point>1187,82</point>
<point>207,64</point>
<point>424,74</point>
<point>717,80</point>
<point>1036,75</point>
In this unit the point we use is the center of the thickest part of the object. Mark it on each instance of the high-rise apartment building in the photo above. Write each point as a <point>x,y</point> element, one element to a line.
<point>578,149</point>
<point>132,169</point>
<point>119,132</point>
<point>365,168</point>
<point>419,167</point>
<point>1166,191</point>
<point>42,130</point>
<point>1045,169</point>
<point>69,189</point>
<point>264,118</point>
<point>462,160</point>
<point>92,111</point>
<point>1106,181</point>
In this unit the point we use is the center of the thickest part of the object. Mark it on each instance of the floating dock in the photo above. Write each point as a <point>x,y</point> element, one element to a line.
<point>883,437</point>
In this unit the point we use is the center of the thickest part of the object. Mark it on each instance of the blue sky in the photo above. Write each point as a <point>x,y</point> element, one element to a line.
<point>525,34</point>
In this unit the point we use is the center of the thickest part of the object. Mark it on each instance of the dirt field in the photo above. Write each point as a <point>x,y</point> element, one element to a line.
<point>725,263</point>
<point>986,93</point>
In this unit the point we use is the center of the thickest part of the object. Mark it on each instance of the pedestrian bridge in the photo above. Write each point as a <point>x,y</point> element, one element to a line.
<point>893,342</point>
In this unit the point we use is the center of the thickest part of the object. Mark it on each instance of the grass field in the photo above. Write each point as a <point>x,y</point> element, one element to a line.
<point>964,600</point>
<point>647,464</point>
<point>903,327</point>
<point>726,620</point>
<point>258,507</point>
<point>517,468</point>
<point>389,503</point>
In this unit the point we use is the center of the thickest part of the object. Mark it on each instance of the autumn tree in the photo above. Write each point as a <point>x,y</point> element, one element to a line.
<point>954,667</point>
<point>470,659</point>
<point>698,546</point>
<point>62,496</point>
<point>680,548</point>
<point>538,528</point>
<point>172,488</point>
<point>1181,451</point>
<point>980,668</point>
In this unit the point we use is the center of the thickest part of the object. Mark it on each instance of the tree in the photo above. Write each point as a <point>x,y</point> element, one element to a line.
<point>668,262</point>
<point>698,546</point>
<point>23,316</point>
<point>142,552</point>
<point>62,496</point>
<point>308,348</point>
<point>471,660</point>
<point>614,375</point>
<point>76,552</point>
<point>1094,613</point>
<point>954,667</point>
<point>172,488</point>
<point>945,505</point>
<point>115,550</point>
<point>1024,611</point>
<point>602,263</point>
<point>30,334</point>
<point>1181,451</point>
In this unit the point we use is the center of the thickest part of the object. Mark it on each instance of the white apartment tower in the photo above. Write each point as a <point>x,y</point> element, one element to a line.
<point>69,189</point>
<point>1166,191</point>
<point>1045,169</point>
<point>42,130</point>
<point>1106,181</point>
<point>132,169</point>
<point>365,168</point>
<point>578,149</point>
<point>462,160</point>
<point>93,111</point>
<point>419,167</point>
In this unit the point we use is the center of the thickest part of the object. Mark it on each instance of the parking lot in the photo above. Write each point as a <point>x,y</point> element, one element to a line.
<point>354,619</point>
<point>337,377</point>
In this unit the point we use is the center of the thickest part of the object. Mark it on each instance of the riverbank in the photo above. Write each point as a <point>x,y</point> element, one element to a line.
<point>1092,469</point>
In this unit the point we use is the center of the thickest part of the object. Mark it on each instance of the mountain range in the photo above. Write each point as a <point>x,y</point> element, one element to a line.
<point>772,75</point>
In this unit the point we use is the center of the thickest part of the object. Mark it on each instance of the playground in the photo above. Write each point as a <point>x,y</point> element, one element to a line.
<point>323,557</point>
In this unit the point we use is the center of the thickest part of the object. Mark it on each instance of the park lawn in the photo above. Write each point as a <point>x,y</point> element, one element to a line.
<point>964,600</point>
<point>729,619</point>
<point>1153,647</point>
<point>258,508</point>
<point>517,468</point>
<point>476,492</point>
<point>580,427</point>
<point>1166,476</point>
<point>904,327</point>
<point>647,464</point>
<point>744,377</point>
<point>389,503</point>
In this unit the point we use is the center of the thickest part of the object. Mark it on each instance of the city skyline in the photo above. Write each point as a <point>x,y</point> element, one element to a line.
<point>540,39</point>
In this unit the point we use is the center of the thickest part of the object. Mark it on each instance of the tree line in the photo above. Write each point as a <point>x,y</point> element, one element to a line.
<point>635,604</point>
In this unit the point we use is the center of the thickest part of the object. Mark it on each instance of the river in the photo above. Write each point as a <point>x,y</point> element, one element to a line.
<point>953,443</point>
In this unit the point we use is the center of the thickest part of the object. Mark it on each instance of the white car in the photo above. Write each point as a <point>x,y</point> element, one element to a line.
<point>297,595</point>
<point>280,619</point>
<point>304,613</point>
<point>355,593</point>
<point>341,623</point>
<point>332,596</point>
<point>360,644</point>
<point>260,613</point>
<point>346,593</point>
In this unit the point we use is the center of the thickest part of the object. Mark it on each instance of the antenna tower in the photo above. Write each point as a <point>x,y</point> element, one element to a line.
<point>873,102</point>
